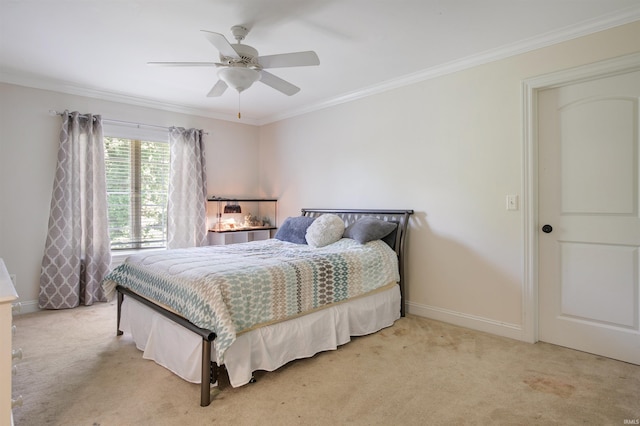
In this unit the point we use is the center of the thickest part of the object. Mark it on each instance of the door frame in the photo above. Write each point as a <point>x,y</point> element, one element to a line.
<point>530,89</point>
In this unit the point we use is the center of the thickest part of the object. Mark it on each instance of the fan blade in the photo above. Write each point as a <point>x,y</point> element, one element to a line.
<point>218,89</point>
<point>295,59</point>
<point>185,64</point>
<point>221,43</point>
<point>278,83</point>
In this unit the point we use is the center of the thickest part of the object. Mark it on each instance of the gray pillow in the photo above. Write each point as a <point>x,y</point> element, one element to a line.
<point>293,229</point>
<point>390,239</point>
<point>368,229</point>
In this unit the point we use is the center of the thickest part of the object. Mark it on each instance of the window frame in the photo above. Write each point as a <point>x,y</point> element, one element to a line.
<point>138,136</point>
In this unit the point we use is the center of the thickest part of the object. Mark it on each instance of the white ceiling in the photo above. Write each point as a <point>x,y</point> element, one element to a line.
<point>100,48</point>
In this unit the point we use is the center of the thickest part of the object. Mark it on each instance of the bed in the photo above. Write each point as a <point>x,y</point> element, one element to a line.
<point>328,275</point>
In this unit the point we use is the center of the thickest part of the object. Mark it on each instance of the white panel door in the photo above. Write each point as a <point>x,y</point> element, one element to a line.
<point>588,292</point>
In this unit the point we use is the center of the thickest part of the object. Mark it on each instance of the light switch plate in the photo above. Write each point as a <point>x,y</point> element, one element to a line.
<point>512,202</point>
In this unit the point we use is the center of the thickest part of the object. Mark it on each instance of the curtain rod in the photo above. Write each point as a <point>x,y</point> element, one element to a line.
<point>128,123</point>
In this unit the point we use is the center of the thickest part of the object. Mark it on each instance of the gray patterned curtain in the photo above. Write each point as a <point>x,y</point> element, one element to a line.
<point>187,207</point>
<point>77,252</point>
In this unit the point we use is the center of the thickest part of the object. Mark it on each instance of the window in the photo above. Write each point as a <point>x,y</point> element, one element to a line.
<point>137,190</point>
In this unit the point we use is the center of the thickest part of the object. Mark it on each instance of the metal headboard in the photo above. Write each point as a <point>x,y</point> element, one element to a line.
<point>401,217</point>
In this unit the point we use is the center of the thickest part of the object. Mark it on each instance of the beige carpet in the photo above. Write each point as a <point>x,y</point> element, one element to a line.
<point>75,371</point>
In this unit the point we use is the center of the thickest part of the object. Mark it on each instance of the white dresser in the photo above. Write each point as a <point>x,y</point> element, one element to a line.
<point>8,296</point>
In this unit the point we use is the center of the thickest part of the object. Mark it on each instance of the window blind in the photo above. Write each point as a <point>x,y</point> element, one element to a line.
<point>137,186</point>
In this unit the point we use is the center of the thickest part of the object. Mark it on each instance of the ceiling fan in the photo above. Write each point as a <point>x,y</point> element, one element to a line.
<point>240,66</point>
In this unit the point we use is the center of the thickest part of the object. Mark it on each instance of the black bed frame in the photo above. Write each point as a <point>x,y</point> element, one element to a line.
<point>210,369</point>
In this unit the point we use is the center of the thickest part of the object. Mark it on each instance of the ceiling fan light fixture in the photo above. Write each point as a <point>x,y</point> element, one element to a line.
<point>239,78</point>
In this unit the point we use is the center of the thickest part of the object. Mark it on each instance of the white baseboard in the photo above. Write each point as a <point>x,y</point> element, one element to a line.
<point>460,319</point>
<point>512,331</point>
<point>28,307</point>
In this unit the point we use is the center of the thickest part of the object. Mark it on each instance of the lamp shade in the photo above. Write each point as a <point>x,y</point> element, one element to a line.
<point>239,78</point>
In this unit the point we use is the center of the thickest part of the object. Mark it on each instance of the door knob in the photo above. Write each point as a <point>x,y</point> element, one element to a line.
<point>547,229</point>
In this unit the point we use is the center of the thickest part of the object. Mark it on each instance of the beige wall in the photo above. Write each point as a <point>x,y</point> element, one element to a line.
<point>451,148</point>
<point>28,153</point>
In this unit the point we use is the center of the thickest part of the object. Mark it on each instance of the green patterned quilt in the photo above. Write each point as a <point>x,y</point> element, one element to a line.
<point>231,289</point>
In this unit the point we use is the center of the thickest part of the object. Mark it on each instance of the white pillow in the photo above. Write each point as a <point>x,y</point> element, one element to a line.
<point>326,229</point>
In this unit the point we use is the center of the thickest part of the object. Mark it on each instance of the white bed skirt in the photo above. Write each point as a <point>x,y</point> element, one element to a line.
<point>267,348</point>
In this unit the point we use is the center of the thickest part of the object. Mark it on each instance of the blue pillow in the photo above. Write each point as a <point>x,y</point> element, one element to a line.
<point>294,229</point>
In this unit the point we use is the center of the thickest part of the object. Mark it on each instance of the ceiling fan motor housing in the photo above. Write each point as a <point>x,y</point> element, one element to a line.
<point>247,53</point>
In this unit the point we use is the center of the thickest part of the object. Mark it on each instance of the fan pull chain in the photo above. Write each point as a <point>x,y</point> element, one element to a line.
<point>239,116</point>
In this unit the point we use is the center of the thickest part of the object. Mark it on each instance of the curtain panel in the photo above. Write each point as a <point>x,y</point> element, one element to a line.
<point>77,252</point>
<point>187,205</point>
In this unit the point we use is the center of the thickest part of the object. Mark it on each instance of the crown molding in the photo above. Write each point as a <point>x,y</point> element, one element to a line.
<point>584,28</point>
<point>38,82</point>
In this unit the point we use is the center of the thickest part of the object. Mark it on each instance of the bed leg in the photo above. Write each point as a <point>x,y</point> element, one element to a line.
<point>120,298</point>
<point>213,376</point>
<point>205,379</point>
